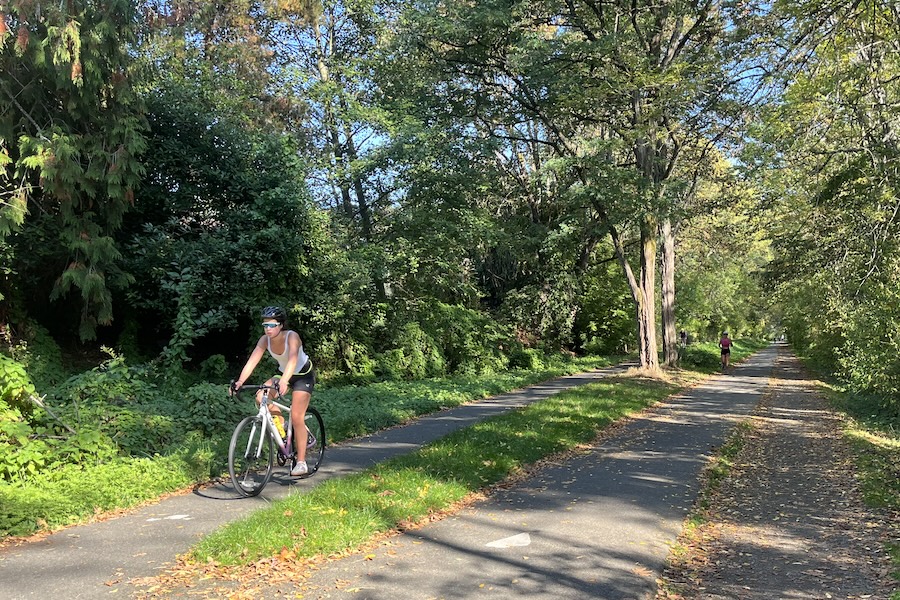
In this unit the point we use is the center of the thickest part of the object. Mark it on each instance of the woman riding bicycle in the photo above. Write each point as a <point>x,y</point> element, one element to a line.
<point>297,373</point>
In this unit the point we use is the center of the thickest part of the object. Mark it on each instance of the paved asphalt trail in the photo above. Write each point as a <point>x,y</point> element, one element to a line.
<point>96,560</point>
<point>598,526</point>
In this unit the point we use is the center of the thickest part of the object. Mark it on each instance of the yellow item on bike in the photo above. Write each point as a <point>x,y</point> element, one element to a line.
<point>279,425</point>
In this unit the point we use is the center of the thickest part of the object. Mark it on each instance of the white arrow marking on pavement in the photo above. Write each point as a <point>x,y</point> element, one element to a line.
<point>523,539</point>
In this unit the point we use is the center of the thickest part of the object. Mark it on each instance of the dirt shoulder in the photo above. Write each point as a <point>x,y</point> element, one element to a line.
<point>789,522</point>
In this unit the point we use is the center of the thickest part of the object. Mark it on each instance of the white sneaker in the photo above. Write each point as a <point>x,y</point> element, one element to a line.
<point>299,469</point>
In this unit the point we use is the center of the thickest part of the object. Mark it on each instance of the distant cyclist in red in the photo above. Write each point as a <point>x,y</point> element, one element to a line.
<point>725,345</point>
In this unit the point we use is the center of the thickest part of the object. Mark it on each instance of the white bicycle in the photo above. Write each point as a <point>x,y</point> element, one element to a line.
<point>256,444</point>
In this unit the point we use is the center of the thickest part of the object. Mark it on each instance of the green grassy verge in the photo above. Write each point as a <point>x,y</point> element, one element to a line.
<point>357,410</point>
<point>344,513</point>
<point>875,436</point>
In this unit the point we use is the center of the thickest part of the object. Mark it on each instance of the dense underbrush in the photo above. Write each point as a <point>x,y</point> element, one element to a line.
<point>118,435</point>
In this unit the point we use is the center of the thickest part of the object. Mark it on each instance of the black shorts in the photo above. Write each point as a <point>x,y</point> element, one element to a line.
<point>304,381</point>
<point>726,351</point>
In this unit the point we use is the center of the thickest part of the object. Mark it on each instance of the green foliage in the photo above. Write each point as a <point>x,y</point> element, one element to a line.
<point>15,386</point>
<point>415,356</point>
<point>20,456</point>
<point>719,278</point>
<point>870,358</point>
<point>470,341</point>
<point>188,324</point>
<point>75,492</point>
<point>71,131</point>
<point>605,322</point>
<point>214,367</point>
<point>106,407</point>
<point>529,359</point>
<point>210,409</point>
<point>344,360</point>
<point>38,353</point>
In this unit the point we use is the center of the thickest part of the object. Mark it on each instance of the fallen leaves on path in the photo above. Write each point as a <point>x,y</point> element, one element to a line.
<point>789,520</point>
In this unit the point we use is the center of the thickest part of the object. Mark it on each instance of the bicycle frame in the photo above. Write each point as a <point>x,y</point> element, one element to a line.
<point>256,443</point>
<point>265,414</point>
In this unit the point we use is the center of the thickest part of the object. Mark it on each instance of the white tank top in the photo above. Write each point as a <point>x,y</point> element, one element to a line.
<point>282,358</point>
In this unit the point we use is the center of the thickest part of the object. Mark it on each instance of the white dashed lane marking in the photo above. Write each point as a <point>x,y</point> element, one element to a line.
<point>515,541</point>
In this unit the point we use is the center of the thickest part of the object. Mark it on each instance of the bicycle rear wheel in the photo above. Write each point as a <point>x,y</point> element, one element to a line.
<point>315,447</point>
<point>251,455</point>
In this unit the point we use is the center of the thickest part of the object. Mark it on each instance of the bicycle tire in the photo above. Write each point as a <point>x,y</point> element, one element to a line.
<point>315,451</point>
<point>250,473</point>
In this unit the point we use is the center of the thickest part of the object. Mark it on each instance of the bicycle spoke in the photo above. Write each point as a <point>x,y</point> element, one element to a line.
<point>250,457</point>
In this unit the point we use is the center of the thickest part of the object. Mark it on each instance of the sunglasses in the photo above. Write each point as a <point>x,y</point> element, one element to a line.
<point>270,325</point>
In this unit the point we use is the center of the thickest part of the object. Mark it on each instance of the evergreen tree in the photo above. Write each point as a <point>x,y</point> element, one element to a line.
<point>71,132</point>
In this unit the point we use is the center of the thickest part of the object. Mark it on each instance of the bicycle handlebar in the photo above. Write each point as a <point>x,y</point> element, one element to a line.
<point>256,386</point>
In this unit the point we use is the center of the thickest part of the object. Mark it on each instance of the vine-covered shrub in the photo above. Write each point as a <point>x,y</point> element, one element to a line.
<point>15,385</point>
<point>870,356</point>
<point>470,341</point>
<point>415,356</point>
<point>531,359</point>
<point>209,408</point>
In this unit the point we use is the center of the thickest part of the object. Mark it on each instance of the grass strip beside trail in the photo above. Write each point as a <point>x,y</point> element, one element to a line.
<point>347,512</point>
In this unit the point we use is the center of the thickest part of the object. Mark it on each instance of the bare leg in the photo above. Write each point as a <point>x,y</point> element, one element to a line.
<point>274,410</point>
<point>299,404</point>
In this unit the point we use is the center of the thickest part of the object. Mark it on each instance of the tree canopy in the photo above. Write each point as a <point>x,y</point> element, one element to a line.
<point>465,182</point>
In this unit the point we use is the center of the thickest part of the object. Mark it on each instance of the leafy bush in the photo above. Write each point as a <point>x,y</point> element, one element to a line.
<point>415,356</point>
<point>214,367</point>
<point>526,358</point>
<point>705,356</point>
<point>38,353</point>
<point>209,408</point>
<point>111,383</point>
<point>15,385</point>
<point>869,360</point>
<point>470,341</point>
<point>350,357</point>
<point>139,433</point>
<point>19,454</point>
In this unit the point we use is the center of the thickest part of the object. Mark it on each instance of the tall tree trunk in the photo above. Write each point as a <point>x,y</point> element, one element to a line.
<point>646,315</point>
<point>643,289</point>
<point>330,120</point>
<point>365,216</point>
<point>340,167</point>
<point>670,344</point>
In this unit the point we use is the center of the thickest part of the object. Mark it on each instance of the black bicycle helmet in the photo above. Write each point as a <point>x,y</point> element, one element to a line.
<point>274,312</point>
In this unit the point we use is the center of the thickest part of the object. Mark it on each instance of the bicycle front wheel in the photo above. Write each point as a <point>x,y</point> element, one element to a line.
<point>315,439</point>
<point>251,455</point>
